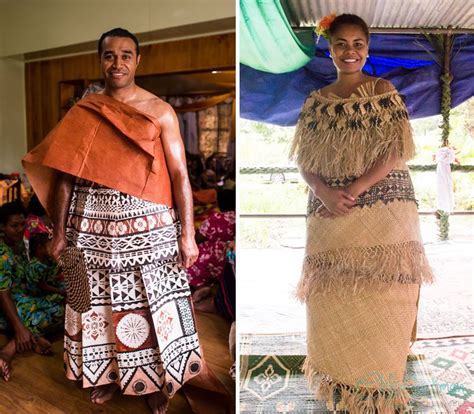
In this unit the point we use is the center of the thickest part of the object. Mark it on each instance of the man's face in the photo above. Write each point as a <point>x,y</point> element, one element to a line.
<point>119,61</point>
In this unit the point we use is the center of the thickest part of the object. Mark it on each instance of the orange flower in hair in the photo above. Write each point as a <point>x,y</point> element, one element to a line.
<point>322,26</point>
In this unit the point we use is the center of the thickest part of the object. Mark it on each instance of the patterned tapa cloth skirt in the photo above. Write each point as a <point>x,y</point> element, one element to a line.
<point>140,332</point>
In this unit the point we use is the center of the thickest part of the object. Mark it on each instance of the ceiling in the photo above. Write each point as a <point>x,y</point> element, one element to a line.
<point>407,14</point>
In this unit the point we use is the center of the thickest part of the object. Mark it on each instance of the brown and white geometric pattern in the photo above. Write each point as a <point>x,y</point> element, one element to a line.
<point>140,332</point>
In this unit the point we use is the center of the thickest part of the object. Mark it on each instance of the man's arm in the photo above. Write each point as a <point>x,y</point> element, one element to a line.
<point>62,198</point>
<point>176,163</point>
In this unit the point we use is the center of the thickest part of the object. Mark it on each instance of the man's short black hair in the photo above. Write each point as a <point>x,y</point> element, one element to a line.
<point>118,32</point>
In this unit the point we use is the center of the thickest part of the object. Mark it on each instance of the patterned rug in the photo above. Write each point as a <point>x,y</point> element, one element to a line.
<point>451,364</point>
<point>272,382</point>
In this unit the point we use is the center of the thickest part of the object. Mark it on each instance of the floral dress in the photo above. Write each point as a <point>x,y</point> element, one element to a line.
<point>43,272</point>
<point>218,229</point>
<point>39,313</point>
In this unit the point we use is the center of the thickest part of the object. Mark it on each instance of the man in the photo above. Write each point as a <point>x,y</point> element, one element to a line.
<point>109,175</point>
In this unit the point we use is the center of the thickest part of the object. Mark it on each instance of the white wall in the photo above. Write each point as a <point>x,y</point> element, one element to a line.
<point>32,25</point>
<point>12,115</point>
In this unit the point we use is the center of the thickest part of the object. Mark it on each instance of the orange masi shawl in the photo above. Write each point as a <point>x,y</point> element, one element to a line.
<point>106,141</point>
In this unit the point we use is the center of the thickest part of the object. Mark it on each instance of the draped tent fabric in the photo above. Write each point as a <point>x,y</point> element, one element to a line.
<point>406,60</point>
<point>268,42</point>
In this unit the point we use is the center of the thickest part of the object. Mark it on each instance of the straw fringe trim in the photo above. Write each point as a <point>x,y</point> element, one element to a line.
<point>349,143</point>
<point>357,400</point>
<point>350,269</point>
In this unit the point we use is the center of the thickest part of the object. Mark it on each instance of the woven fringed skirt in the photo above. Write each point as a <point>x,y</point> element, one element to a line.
<point>358,347</point>
<point>360,281</point>
<point>140,332</point>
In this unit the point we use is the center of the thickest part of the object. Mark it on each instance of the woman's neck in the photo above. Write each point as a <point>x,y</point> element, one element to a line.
<point>350,79</point>
<point>15,246</point>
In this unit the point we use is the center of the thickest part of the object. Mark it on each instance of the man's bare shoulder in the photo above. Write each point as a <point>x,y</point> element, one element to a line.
<point>153,105</point>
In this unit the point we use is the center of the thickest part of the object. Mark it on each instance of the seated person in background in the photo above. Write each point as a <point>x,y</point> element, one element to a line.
<point>212,236</point>
<point>29,317</point>
<point>195,168</point>
<point>222,300</point>
<point>43,274</point>
<point>37,221</point>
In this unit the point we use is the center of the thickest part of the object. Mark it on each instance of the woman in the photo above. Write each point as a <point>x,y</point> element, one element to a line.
<point>364,255</point>
<point>29,314</point>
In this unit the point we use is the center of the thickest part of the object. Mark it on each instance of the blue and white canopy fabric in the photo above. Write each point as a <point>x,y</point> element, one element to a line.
<point>408,61</point>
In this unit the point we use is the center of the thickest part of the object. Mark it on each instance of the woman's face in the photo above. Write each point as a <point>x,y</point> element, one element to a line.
<point>349,49</point>
<point>14,229</point>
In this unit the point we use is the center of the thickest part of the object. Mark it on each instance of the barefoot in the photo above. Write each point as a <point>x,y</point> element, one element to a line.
<point>158,402</point>
<point>206,305</point>
<point>6,355</point>
<point>103,393</point>
<point>201,294</point>
<point>42,346</point>
<point>4,368</point>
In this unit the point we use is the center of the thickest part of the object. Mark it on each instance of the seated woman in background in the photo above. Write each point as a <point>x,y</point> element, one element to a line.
<point>29,316</point>
<point>212,237</point>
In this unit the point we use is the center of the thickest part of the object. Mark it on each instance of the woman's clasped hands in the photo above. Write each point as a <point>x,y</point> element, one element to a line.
<point>336,202</point>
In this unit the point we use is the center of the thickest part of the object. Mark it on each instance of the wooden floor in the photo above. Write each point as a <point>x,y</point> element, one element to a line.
<point>38,384</point>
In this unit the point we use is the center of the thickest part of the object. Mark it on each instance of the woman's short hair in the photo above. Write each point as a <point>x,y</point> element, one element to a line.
<point>10,209</point>
<point>348,19</point>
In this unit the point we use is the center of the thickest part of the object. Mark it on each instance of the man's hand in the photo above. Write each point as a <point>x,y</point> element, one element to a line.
<point>56,246</point>
<point>24,339</point>
<point>188,251</point>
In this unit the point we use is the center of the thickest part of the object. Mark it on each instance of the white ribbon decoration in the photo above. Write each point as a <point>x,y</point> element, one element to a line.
<point>444,158</point>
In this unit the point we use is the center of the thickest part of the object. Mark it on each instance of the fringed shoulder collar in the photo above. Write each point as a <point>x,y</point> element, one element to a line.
<point>339,137</point>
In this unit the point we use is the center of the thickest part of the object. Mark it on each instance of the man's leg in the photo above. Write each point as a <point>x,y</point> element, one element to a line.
<point>158,402</point>
<point>103,393</point>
